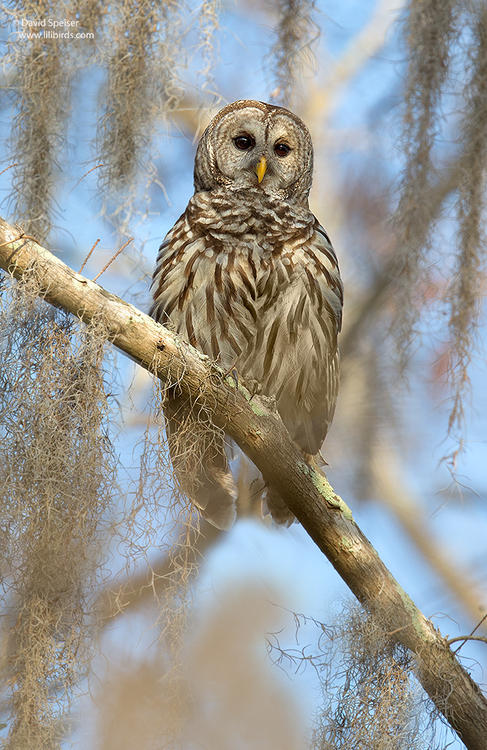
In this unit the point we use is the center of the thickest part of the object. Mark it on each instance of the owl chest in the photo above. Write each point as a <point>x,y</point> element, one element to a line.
<point>249,310</point>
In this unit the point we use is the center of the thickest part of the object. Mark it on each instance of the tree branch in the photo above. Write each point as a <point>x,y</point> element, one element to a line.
<point>126,595</point>
<point>260,433</point>
<point>399,498</point>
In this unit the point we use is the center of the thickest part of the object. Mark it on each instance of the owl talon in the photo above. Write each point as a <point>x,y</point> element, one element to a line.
<point>253,388</point>
<point>324,462</point>
<point>269,401</point>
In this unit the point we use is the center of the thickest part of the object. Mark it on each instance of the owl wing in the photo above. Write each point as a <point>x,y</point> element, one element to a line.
<point>165,295</point>
<point>195,294</point>
<point>196,447</point>
<point>307,402</point>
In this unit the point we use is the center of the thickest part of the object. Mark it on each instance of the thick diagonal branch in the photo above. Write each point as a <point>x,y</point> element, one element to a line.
<point>257,429</point>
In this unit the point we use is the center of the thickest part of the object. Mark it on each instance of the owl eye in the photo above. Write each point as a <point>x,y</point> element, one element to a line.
<point>244,142</point>
<point>281,149</point>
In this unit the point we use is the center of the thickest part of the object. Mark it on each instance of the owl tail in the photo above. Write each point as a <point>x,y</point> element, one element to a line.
<point>199,460</point>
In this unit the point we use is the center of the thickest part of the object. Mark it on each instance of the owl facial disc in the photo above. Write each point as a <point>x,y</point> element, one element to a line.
<point>249,138</point>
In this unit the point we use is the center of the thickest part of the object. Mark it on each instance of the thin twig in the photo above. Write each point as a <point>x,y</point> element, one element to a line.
<point>466,638</point>
<point>7,168</point>
<point>469,637</point>
<point>97,166</point>
<point>88,256</point>
<point>113,258</point>
<point>21,236</point>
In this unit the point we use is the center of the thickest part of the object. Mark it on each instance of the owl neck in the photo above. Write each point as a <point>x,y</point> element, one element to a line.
<point>248,210</point>
<point>257,195</point>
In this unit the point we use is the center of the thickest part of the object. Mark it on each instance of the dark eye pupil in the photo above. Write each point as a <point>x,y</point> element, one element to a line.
<point>244,142</point>
<point>282,149</point>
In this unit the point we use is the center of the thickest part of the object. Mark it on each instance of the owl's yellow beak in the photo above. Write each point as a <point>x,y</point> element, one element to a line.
<point>260,169</point>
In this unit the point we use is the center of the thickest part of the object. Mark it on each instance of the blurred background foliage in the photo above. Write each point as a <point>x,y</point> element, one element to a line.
<point>99,138</point>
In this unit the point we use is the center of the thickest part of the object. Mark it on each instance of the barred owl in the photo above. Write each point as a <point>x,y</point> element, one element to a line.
<point>248,276</point>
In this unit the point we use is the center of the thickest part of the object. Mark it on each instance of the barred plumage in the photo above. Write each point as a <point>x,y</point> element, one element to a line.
<point>249,277</point>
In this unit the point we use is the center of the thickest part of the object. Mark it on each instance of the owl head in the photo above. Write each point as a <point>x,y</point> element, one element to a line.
<point>250,144</point>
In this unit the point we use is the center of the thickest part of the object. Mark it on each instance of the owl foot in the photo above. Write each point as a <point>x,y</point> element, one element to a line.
<point>270,402</point>
<point>274,505</point>
<point>316,461</point>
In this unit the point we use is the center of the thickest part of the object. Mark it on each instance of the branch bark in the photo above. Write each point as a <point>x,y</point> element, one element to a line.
<point>258,430</point>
